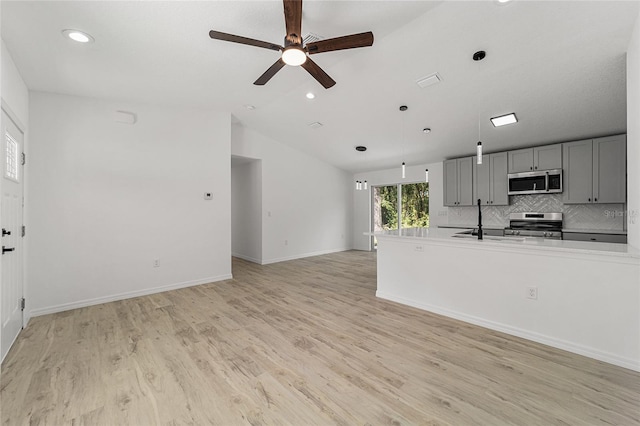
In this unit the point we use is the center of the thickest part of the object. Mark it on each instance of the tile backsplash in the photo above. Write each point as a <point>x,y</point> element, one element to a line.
<point>576,216</point>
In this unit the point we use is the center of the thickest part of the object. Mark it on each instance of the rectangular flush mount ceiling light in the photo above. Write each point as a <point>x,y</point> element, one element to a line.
<point>503,120</point>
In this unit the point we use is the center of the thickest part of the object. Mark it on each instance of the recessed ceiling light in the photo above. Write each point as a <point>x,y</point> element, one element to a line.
<point>503,120</point>
<point>361,148</point>
<point>249,107</point>
<point>77,35</point>
<point>426,130</point>
<point>479,55</point>
<point>503,1</point>
<point>310,95</point>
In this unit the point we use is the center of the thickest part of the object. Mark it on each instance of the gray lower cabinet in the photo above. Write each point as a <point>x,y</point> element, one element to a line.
<point>546,157</point>
<point>458,182</point>
<point>600,238</point>
<point>594,171</point>
<point>490,180</point>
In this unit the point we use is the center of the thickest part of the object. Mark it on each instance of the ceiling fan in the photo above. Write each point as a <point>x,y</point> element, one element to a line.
<point>293,52</point>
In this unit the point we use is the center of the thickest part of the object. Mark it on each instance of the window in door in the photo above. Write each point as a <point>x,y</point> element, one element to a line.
<point>385,208</point>
<point>415,205</point>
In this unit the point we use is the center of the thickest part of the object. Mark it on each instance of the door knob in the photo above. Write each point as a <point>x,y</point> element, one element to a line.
<point>6,249</point>
<point>5,232</point>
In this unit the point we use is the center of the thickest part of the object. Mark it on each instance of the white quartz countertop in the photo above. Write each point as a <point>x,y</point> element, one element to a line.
<point>446,236</point>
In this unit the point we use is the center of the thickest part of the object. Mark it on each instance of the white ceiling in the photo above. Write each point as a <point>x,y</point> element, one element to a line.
<point>559,65</point>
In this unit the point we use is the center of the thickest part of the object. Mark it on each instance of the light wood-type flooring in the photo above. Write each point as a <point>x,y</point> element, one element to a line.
<point>304,342</point>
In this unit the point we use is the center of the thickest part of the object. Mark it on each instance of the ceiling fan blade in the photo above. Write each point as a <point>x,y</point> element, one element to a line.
<point>340,43</point>
<point>243,40</point>
<point>317,73</point>
<point>273,69</point>
<point>293,20</point>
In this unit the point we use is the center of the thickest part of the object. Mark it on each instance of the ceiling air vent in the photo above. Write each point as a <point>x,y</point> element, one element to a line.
<point>429,80</point>
<point>311,38</point>
<point>315,125</point>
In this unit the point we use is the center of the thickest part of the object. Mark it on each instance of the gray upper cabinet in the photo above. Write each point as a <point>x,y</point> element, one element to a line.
<point>547,157</point>
<point>577,178</point>
<point>458,182</point>
<point>610,169</point>
<point>490,180</point>
<point>539,158</point>
<point>595,171</point>
<point>521,160</point>
<point>450,171</point>
<point>498,179</point>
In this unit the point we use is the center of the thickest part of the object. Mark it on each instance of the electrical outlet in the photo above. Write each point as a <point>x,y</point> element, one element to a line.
<point>532,292</point>
<point>156,263</point>
<point>419,248</point>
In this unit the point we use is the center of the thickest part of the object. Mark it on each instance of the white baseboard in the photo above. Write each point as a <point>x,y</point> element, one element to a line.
<point>303,255</point>
<point>122,296</point>
<point>632,364</point>
<point>247,258</point>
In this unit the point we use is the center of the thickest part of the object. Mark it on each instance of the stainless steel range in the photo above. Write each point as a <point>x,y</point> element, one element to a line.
<point>542,225</point>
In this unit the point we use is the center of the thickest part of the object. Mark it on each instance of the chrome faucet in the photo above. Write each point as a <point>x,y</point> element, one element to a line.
<point>479,219</point>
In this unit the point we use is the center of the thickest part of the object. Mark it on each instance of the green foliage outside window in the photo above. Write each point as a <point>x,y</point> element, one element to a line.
<point>415,206</point>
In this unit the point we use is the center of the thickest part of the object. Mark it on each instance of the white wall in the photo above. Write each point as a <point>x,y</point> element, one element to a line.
<point>363,199</point>
<point>15,94</point>
<point>633,137</point>
<point>246,210</point>
<point>305,202</point>
<point>106,199</point>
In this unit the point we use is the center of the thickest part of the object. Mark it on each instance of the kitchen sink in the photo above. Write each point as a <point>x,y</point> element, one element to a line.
<point>473,235</point>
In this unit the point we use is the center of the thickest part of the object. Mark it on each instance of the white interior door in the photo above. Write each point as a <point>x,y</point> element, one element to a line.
<point>11,186</point>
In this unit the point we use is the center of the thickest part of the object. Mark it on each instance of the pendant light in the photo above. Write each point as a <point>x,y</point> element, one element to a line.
<point>359,184</point>
<point>426,175</point>
<point>478,56</point>
<point>403,108</point>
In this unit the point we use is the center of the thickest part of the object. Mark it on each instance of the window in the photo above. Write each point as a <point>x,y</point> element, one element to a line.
<point>415,205</point>
<point>11,152</point>
<point>409,210</point>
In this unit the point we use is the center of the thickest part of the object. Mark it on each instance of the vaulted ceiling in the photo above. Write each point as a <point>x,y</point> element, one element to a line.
<point>560,66</point>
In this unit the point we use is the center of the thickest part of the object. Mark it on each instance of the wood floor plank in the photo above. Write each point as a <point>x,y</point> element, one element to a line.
<point>304,342</point>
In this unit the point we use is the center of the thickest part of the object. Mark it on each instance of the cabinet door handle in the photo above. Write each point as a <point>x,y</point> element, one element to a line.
<point>7,249</point>
<point>595,200</point>
<point>530,168</point>
<point>536,167</point>
<point>589,199</point>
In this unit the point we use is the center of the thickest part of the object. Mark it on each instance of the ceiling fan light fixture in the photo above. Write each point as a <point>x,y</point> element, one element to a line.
<point>294,56</point>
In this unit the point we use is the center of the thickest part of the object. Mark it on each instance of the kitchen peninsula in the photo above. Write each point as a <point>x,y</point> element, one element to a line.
<point>583,297</point>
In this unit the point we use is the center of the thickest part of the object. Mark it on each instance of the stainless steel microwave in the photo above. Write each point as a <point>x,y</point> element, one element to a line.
<point>537,182</point>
